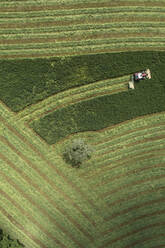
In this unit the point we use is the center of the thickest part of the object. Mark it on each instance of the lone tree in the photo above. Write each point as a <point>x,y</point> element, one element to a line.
<point>77,152</point>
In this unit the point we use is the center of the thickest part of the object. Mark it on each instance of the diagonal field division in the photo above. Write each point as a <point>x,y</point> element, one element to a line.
<point>117,198</point>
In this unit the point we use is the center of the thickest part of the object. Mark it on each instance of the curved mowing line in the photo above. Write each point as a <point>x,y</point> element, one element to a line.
<point>70,93</point>
<point>134,183</point>
<point>144,117</point>
<point>132,233</point>
<point>41,209</point>
<point>78,100</point>
<point>146,239</point>
<point>45,195</point>
<point>132,154</point>
<point>109,149</point>
<point>31,218</point>
<point>111,138</point>
<point>49,163</point>
<point>21,228</point>
<point>131,221</point>
<point>110,167</point>
<point>79,6</point>
<point>86,90</point>
<point>131,172</point>
<point>132,157</point>
<point>142,140</point>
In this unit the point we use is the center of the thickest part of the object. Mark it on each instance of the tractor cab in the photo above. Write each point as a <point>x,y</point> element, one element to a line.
<point>140,76</point>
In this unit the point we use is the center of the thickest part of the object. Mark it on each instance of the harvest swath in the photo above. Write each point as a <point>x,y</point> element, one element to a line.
<point>30,29</point>
<point>116,199</point>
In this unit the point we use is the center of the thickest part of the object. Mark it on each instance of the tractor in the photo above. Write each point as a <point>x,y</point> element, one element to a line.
<point>142,75</point>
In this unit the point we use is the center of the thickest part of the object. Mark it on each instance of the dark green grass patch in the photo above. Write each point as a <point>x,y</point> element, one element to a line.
<point>101,112</point>
<point>27,81</point>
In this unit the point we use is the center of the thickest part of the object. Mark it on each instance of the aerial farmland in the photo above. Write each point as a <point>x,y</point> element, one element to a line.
<point>65,71</point>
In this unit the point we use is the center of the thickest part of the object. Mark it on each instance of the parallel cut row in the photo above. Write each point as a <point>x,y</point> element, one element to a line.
<point>68,29</point>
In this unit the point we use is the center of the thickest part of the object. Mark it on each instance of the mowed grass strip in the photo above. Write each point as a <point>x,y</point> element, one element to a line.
<point>146,230</point>
<point>46,196</point>
<point>118,27</point>
<point>115,42</point>
<point>78,34</point>
<point>101,10</point>
<point>109,163</point>
<point>13,40</point>
<point>86,19</point>
<point>12,7</point>
<point>24,212</point>
<point>38,207</point>
<point>139,144</point>
<point>54,188</point>
<point>124,222</point>
<point>66,50</point>
<point>122,212</point>
<point>154,241</point>
<point>81,51</point>
<point>21,227</point>
<point>51,166</point>
<point>120,142</point>
<point>50,202</point>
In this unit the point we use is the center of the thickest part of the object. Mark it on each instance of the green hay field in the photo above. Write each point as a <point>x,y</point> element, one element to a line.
<point>64,72</point>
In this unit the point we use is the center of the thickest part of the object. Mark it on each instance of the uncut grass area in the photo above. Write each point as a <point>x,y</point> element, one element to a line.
<point>103,111</point>
<point>32,80</point>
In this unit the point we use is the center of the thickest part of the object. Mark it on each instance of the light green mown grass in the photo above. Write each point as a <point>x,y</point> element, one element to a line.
<point>52,197</point>
<point>87,43</point>
<point>34,14</point>
<point>62,18</point>
<point>114,200</point>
